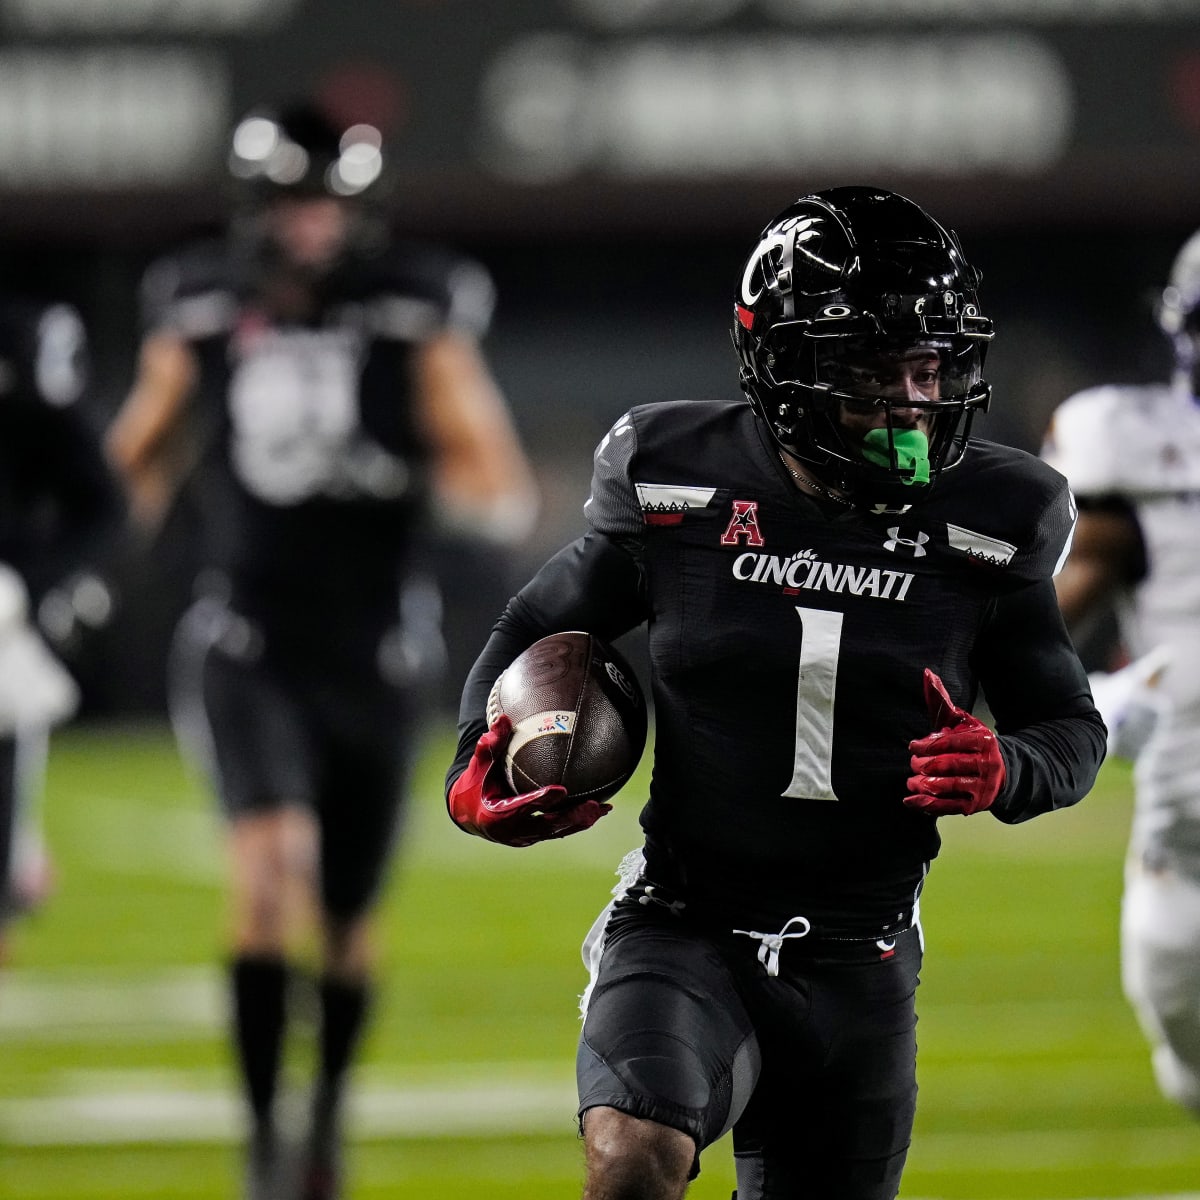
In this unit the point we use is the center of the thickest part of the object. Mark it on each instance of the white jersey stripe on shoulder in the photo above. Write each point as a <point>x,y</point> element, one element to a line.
<point>979,545</point>
<point>671,499</point>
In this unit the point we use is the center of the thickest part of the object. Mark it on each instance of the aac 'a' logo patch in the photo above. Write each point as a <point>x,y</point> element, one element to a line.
<point>743,524</point>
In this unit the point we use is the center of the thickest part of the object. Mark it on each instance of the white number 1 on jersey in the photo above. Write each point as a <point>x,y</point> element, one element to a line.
<point>820,645</point>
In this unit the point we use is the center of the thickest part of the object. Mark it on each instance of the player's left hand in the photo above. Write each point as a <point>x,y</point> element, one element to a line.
<point>958,768</point>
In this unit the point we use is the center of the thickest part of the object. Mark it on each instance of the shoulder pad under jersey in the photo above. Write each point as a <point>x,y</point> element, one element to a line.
<point>660,460</point>
<point>1007,510</point>
<point>612,507</point>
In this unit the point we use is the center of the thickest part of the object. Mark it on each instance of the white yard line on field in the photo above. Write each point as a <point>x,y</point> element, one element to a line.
<point>63,1004</point>
<point>102,1004</point>
<point>512,1102</point>
<point>500,1100</point>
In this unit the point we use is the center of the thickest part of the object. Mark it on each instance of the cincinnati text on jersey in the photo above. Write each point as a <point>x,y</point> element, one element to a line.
<point>803,571</point>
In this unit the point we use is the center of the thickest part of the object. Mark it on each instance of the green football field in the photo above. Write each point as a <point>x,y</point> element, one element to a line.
<point>115,1081</point>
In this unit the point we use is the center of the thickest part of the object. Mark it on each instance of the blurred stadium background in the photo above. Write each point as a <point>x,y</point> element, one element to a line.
<point>610,161</point>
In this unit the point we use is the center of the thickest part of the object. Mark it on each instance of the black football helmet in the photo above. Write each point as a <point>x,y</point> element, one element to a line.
<point>1179,311</point>
<point>839,283</point>
<point>298,150</point>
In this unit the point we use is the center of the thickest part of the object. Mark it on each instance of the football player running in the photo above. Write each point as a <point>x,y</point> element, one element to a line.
<point>1132,454</point>
<point>831,575</point>
<point>328,387</point>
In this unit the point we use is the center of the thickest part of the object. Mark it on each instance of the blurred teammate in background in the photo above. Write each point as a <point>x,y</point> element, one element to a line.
<point>59,508</point>
<point>1132,455</point>
<point>336,405</point>
<point>824,571</point>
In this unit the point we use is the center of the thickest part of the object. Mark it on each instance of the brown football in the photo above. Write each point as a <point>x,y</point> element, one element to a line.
<point>578,714</point>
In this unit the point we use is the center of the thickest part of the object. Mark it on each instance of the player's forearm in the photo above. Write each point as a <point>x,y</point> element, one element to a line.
<point>512,634</point>
<point>1051,735</point>
<point>1049,766</point>
<point>593,584</point>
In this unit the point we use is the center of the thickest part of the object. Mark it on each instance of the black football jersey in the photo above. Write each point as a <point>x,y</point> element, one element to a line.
<point>58,501</point>
<point>788,637</point>
<point>314,474</point>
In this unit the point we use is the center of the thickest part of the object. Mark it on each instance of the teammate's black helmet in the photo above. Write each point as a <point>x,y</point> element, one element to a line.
<point>839,282</point>
<point>299,150</point>
<point>1179,310</point>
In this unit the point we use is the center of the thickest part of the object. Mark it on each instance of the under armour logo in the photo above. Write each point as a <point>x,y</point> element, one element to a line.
<point>916,545</point>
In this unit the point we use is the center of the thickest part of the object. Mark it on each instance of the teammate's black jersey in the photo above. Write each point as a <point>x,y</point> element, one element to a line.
<point>57,497</point>
<point>315,468</point>
<point>788,638</point>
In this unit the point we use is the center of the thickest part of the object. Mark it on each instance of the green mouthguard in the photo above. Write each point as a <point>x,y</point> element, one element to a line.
<point>912,452</point>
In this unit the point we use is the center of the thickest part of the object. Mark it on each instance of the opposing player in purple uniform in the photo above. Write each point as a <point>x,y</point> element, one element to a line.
<point>335,402</point>
<point>831,575</point>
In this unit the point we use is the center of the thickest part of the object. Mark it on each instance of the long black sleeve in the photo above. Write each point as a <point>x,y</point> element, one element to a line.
<point>593,584</point>
<point>1051,735</point>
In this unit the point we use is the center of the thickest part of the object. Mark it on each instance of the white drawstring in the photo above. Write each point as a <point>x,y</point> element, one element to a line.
<point>772,943</point>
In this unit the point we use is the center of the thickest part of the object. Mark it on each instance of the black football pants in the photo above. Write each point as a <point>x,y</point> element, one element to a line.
<point>814,1068</point>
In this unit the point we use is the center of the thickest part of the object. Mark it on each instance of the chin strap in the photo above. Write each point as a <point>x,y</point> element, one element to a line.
<point>911,449</point>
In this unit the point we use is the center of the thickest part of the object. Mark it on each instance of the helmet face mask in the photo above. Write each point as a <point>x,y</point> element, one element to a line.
<point>852,385</point>
<point>858,329</point>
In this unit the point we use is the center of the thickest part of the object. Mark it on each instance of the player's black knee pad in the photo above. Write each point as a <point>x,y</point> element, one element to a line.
<point>656,1050</point>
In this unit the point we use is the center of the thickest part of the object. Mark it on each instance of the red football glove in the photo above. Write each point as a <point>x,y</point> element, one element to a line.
<point>481,803</point>
<point>957,768</point>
